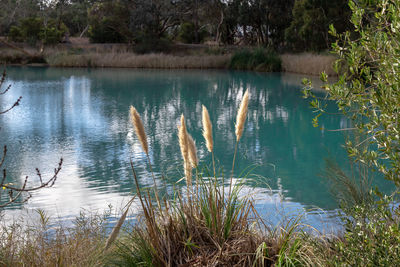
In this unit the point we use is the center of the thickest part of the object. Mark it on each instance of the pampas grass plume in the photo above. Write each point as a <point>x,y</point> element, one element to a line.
<point>184,145</point>
<point>207,129</point>
<point>117,227</point>
<point>183,139</point>
<point>192,152</point>
<point>139,129</point>
<point>242,115</point>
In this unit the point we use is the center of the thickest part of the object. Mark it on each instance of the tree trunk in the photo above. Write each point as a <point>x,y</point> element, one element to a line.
<point>218,35</point>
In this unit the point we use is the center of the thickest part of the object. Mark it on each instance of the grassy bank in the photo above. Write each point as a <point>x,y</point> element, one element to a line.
<point>178,57</point>
<point>308,63</point>
<point>131,60</point>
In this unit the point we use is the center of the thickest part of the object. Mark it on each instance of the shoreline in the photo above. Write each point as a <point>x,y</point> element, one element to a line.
<point>190,57</point>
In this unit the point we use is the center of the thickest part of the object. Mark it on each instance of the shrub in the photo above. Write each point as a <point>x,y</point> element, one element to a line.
<point>148,43</point>
<point>53,32</point>
<point>15,34</point>
<point>259,59</point>
<point>104,32</point>
<point>187,33</point>
<point>367,91</point>
<point>33,29</point>
<point>372,236</point>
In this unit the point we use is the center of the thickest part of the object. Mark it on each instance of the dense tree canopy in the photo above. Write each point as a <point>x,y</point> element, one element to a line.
<point>286,24</point>
<point>311,19</point>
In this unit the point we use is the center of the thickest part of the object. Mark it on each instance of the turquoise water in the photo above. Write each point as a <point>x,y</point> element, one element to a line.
<point>82,116</point>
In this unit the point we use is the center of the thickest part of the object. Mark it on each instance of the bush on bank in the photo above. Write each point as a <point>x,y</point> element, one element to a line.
<point>259,59</point>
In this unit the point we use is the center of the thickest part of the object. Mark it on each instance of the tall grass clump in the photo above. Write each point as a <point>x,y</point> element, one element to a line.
<point>309,63</point>
<point>45,243</point>
<point>259,59</point>
<point>132,60</point>
<point>202,224</point>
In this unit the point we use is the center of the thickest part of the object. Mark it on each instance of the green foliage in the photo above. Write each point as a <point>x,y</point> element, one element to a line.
<point>15,34</point>
<point>108,23</point>
<point>309,27</point>
<point>153,19</point>
<point>372,236</point>
<point>368,89</point>
<point>34,29</point>
<point>13,11</point>
<point>367,92</point>
<point>74,14</point>
<point>259,59</point>
<point>261,22</point>
<point>53,32</point>
<point>132,250</point>
<point>31,29</point>
<point>187,33</point>
<point>147,43</point>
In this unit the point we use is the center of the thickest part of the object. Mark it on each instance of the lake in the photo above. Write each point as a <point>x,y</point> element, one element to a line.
<point>82,115</point>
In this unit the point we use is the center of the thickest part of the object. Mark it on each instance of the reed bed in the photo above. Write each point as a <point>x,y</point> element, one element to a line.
<point>131,60</point>
<point>12,56</point>
<point>308,63</point>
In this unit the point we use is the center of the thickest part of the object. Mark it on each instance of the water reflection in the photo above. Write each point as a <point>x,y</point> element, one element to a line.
<point>82,116</point>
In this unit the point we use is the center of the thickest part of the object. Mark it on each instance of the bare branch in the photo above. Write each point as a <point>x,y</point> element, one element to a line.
<point>13,106</point>
<point>23,193</point>
<point>49,183</point>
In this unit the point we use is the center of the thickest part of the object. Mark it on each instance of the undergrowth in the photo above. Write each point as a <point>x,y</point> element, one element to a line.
<point>259,59</point>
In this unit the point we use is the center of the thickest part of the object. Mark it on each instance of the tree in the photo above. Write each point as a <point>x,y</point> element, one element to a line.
<point>368,88</point>
<point>73,13</point>
<point>311,19</point>
<point>153,18</point>
<point>12,11</point>
<point>109,22</point>
<point>260,22</point>
<point>34,29</point>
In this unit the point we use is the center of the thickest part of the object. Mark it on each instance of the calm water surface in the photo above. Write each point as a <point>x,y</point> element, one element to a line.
<point>82,116</point>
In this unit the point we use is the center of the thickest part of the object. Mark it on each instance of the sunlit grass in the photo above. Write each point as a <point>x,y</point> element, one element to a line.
<point>131,60</point>
<point>308,63</point>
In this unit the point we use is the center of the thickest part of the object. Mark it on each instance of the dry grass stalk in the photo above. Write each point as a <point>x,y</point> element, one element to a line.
<point>242,115</point>
<point>207,129</point>
<point>194,160</point>
<point>47,243</point>
<point>139,129</point>
<point>131,60</point>
<point>184,145</point>
<point>308,63</point>
<point>117,227</point>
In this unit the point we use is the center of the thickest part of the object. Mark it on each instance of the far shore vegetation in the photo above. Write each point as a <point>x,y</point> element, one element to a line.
<point>207,221</point>
<point>259,35</point>
<point>181,56</point>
